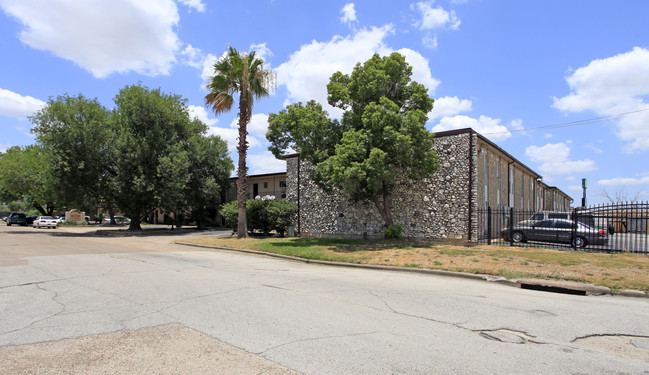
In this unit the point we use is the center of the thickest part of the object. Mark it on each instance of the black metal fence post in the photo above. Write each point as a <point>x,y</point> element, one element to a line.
<point>573,229</point>
<point>489,225</point>
<point>510,226</point>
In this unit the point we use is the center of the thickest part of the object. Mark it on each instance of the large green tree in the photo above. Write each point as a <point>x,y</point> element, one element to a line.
<point>77,133</point>
<point>380,137</point>
<point>242,73</point>
<point>26,175</point>
<point>162,157</point>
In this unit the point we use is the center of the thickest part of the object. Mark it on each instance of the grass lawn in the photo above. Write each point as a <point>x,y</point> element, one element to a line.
<point>616,271</point>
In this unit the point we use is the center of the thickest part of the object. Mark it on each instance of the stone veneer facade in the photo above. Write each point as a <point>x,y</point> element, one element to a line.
<point>440,207</point>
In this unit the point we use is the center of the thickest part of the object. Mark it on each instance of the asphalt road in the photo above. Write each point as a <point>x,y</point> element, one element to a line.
<point>79,303</point>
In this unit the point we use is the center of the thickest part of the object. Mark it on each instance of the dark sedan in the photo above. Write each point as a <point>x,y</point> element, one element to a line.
<point>556,230</point>
<point>17,219</point>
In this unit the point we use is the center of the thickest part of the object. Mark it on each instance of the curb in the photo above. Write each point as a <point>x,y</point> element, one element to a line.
<point>564,287</point>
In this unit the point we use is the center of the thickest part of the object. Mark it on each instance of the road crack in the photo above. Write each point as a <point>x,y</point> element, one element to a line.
<point>507,335</point>
<point>317,339</point>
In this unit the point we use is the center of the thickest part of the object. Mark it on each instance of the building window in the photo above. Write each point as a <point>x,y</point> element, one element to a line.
<point>282,184</point>
<point>265,185</point>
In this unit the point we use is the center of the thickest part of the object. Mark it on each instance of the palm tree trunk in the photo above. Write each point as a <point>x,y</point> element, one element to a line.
<point>242,183</point>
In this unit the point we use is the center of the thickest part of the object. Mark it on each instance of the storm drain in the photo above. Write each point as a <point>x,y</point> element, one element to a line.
<point>553,289</point>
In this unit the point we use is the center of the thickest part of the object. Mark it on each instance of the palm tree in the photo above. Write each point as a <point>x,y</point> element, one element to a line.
<point>243,73</point>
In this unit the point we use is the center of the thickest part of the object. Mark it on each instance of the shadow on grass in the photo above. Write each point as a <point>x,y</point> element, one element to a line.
<point>343,245</point>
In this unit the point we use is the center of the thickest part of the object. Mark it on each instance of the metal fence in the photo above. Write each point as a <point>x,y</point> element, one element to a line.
<point>603,228</point>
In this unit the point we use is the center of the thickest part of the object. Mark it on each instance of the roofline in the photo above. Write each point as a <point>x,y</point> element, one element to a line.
<point>490,143</point>
<point>449,133</point>
<point>261,175</point>
<point>288,156</point>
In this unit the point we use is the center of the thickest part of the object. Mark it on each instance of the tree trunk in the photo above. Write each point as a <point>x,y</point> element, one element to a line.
<point>41,209</point>
<point>387,205</point>
<point>135,224</point>
<point>384,206</point>
<point>242,226</point>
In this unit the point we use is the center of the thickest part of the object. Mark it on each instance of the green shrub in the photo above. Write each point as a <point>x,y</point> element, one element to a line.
<point>262,215</point>
<point>258,217</point>
<point>282,213</point>
<point>393,231</point>
<point>230,213</point>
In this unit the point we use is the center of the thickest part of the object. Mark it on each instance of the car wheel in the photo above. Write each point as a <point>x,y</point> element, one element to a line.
<point>8,224</point>
<point>518,237</point>
<point>579,242</point>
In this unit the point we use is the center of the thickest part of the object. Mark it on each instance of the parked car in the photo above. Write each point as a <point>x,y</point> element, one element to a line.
<point>582,217</point>
<point>17,218</point>
<point>45,221</point>
<point>30,219</point>
<point>556,230</point>
<point>119,220</point>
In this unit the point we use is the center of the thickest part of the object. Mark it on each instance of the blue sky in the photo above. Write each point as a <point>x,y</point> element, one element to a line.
<point>509,69</point>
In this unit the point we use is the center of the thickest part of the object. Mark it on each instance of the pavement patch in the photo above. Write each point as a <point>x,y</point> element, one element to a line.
<point>168,349</point>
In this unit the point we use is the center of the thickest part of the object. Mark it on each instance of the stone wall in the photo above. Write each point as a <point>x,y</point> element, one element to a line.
<point>435,208</point>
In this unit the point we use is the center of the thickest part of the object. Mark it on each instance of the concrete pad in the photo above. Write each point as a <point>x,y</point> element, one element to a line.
<point>168,349</point>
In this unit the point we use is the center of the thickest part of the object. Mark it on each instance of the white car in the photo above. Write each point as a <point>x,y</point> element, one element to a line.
<point>119,220</point>
<point>45,221</point>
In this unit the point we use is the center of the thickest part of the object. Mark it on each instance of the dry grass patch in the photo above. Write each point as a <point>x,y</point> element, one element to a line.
<point>616,271</point>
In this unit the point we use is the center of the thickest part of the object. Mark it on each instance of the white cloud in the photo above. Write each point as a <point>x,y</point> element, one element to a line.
<point>257,126</point>
<point>16,105</point>
<point>192,57</point>
<point>208,69</point>
<point>262,52</point>
<point>642,180</point>
<point>201,113</point>
<point>420,69</point>
<point>348,14</point>
<point>265,163</point>
<point>548,135</point>
<point>4,147</point>
<point>554,159</point>
<point>102,37</point>
<point>207,62</point>
<point>231,137</point>
<point>487,126</point>
<point>198,5</point>
<point>430,42</point>
<point>517,124</point>
<point>611,86</point>
<point>307,71</point>
<point>594,148</point>
<point>449,106</point>
<point>434,18</point>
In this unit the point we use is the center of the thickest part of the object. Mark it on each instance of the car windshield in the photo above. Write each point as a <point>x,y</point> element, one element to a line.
<point>47,218</point>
